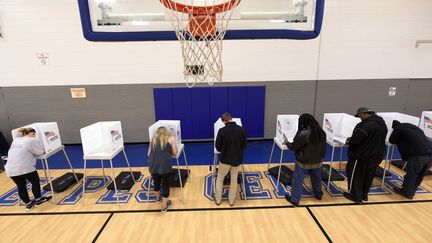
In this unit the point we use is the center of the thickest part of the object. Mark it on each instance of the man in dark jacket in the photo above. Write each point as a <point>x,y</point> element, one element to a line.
<point>230,142</point>
<point>414,148</point>
<point>310,146</point>
<point>365,152</point>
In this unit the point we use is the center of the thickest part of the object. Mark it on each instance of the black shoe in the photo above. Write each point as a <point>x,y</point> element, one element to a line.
<point>365,198</point>
<point>349,197</point>
<point>319,198</point>
<point>43,200</point>
<point>30,206</point>
<point>288,198</point>
<point>401,192</point>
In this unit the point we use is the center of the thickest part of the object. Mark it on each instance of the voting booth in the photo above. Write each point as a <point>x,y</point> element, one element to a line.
<point>286,129</point>
<point>389,117</point>
<point>103,141</point>
<point>174,129</point>
<point>218,125</point>
<point>426,123</point>
<point>338,128</point>
<point>48,133</point>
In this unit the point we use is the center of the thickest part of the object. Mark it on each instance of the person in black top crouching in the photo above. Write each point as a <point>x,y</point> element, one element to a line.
<point>414,148</point>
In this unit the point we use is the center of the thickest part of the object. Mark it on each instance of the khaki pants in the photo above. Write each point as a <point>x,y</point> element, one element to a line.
<point>222,172</point>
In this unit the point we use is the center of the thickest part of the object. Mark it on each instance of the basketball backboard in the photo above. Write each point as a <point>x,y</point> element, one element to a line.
<point>140,20</point>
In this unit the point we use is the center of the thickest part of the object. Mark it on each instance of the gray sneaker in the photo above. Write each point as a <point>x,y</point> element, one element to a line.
<point>164,209</point>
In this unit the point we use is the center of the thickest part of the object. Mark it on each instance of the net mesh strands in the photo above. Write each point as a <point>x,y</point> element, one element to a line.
<point>200,26</point>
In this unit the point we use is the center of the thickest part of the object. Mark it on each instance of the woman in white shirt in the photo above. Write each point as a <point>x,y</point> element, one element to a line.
<point>21,166</point>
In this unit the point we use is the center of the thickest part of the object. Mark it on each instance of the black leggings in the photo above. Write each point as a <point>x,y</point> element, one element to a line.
<point>21,183</point>
<point>165,181</point>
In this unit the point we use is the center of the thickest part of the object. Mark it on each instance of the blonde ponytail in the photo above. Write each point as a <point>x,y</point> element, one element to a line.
<point>161,137</point>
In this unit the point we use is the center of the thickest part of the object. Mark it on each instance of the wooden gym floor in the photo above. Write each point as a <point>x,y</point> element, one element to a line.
<point>264,217</point>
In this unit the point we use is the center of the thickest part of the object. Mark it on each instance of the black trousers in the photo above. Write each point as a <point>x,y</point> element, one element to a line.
<point>416,169</point>
<point>21,182</point>
<point>162,181</point>
<point>360,173</point>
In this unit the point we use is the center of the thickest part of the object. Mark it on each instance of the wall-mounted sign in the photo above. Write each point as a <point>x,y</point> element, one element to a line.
<point>78,93</point>
<point>42,58</point>
<point>392,91</point>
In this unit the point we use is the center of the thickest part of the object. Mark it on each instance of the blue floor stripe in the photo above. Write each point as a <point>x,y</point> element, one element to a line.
<point>197,154</point>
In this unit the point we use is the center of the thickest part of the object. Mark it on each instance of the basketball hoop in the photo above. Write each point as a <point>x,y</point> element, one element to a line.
<point>200,26</point>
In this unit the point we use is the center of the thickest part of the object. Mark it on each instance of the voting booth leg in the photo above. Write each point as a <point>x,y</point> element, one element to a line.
<point>130,169</point>
<point>385,166</point>
<point>115,184</point>
<point>330,169</point>
<point>148,188</point>
<point>84,181</point>
<point>187,165</point>
<point>279,171</point>
<point>44,169</point>
<point>213,189</point>
<point>391,158</point>
<point>70,165</point>
<point>180,179</point>
<point>243,182</point>
<point>405,164</point>
<point>271,155</point>
<point>340,159</point>
<point>49,179</point>
<point>103,170</point>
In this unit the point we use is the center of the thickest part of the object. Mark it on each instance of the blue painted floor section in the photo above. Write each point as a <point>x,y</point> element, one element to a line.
<point>196,153</point>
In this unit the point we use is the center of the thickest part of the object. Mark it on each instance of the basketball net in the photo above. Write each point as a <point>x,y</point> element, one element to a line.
<point>200,26</point>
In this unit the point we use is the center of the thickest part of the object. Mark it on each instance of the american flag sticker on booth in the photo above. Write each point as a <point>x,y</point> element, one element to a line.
<point>50,136</point>
<point>115,134</point>
<point>427,122</point>
<point>328,126</point>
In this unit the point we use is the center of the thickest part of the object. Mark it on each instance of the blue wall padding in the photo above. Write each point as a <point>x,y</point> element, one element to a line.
<point>201,122</point>
<point>218,102</point>
<point>182,107</point>
<point>199,108</point>
<point>237,102</point>
<point>255,111</point>
<point>164,97</point>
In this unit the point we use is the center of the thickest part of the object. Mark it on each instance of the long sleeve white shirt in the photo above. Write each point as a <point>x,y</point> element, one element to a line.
<point>22,156</point>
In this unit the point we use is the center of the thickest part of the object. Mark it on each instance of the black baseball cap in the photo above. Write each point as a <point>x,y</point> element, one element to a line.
<point>363,110</point>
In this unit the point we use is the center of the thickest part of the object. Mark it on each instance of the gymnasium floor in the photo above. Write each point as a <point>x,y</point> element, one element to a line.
<point>195,218</point>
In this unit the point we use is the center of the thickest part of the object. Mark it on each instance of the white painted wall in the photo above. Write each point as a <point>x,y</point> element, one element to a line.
<point>366,39</point>
<point>376,39</point>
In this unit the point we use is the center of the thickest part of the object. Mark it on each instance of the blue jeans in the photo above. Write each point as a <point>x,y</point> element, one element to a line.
<point>297,183</point>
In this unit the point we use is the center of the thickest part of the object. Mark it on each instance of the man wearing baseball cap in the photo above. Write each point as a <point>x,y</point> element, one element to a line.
<point>365,152</point>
